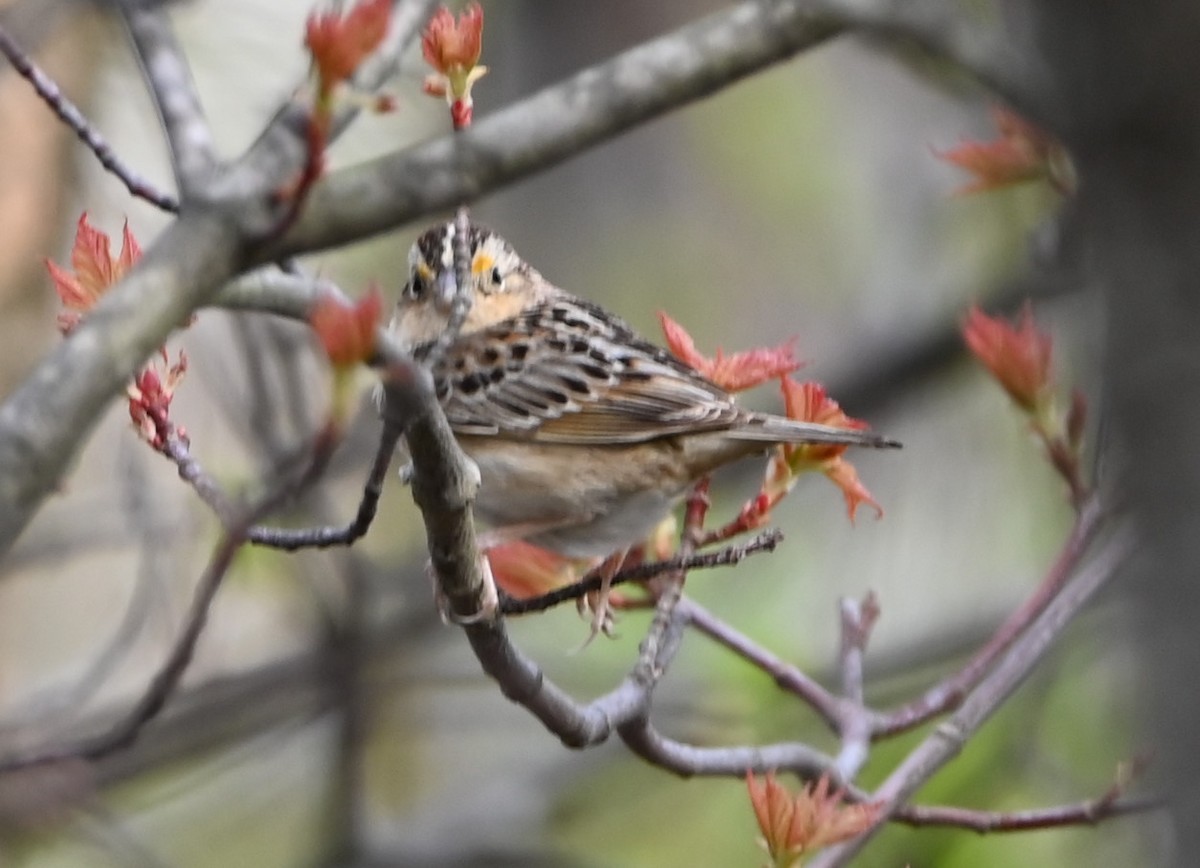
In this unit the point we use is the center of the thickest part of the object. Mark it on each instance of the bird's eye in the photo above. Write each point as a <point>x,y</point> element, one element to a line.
<point>415,288</point>
<point>497,277</point>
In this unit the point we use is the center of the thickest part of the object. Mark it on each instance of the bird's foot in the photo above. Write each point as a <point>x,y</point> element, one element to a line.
<point>596,605</point>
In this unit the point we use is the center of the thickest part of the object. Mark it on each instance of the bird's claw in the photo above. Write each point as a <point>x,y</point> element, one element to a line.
<point>489,607</point>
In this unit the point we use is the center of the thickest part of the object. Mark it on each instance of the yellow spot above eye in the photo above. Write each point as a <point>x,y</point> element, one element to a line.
<point>424,271</point>
<point>482,263</point>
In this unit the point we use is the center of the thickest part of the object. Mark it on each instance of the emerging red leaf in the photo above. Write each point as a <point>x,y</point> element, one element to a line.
<point>808,402</point>
<point>735,373</point>
<point>1018,357</point>
<point>524,570</point>
<point>94,270</point>
<point>1023,152</point>
<point>150,397</point>
<point>452,48</point>
<point>347,331</point>
<point>795,826</point>
<point>339,44</point>
<point>448,44</point>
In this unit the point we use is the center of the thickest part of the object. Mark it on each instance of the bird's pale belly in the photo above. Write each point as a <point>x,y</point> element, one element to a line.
<point>579,501</point>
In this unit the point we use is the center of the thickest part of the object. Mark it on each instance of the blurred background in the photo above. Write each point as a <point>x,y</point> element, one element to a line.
<point>804,202</point>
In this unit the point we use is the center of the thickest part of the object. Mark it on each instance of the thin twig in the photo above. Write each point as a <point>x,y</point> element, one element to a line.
<point>1085,813</point>
<point>728,556</point>
<point>408,17</point>
<point>69,114</point>
<point>857,621</point>
<point>178,449</point>
<point>288,539</point>
<point>787,677</point>
<point>688,760</point>
<point>1109,804</point>
<point>661,641</point>
<point>324,537</point>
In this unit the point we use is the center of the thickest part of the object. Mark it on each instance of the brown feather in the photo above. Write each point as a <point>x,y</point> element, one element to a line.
<point>587,379</point>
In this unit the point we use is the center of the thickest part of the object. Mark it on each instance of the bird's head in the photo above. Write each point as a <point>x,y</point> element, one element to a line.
<point>501,284</point>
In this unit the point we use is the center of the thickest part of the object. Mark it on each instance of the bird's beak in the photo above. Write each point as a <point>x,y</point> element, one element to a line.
<point>444,291</point>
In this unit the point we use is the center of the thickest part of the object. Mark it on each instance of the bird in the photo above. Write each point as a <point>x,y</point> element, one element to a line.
<point>586,434</point>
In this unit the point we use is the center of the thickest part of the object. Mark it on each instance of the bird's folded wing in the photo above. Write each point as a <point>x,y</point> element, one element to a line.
<point>567,372</point>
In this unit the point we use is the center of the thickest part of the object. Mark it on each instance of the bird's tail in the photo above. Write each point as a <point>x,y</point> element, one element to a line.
<point>777,429</point>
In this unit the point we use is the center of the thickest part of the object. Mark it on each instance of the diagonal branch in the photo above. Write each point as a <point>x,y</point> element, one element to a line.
<point>165,69</point>
<point>946,694</point>
<point>637,85</point>
<point>787,677</point>
<point>557,122</point>
<point>443,485</point>
<point>69,114</point>
<point>44,420</point>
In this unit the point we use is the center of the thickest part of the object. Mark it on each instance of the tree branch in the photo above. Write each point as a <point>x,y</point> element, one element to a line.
<point>688,760</point>
<point>948,738</point>
<point>1085,813</point>
<point>857,621</point>
<point>948,693</point>
<point>165,69</point>
<point>787,677</point>
<point>44,420</point>
<point>728,556</point>
<point>555,123</point>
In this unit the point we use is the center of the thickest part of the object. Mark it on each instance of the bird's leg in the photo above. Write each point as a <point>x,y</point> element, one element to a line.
<point>596,603</point>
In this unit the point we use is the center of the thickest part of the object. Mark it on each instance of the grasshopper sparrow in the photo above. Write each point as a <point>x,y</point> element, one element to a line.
<point>585,433</point>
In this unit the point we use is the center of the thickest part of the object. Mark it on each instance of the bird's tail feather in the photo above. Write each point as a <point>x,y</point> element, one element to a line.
<point>777,429</point>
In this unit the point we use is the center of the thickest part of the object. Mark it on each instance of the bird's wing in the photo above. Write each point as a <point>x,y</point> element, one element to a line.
<point>565,371</point>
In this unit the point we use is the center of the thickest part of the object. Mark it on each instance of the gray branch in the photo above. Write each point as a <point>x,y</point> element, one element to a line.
<point>949,736</point>
<point>165,68</point>
<point>44,421</point>
<point>557,122</point>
